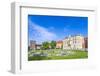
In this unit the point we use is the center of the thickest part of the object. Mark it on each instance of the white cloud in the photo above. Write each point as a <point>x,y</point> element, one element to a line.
<point>40,33</point>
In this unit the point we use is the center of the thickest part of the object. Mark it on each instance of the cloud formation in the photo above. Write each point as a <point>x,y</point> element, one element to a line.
<point>39,33</point>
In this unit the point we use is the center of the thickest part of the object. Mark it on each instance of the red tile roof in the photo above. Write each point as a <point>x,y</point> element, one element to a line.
<point>59,42</point>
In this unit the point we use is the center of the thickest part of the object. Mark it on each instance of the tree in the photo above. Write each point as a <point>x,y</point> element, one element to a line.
<point>45,45</point>
<point>62,47</point>
<point>53,44</point>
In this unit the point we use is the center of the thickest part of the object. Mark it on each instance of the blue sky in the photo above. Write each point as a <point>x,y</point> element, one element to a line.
<point>46,28</point>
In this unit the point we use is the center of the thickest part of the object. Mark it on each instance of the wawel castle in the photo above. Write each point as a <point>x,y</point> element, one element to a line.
<point>75,42</point>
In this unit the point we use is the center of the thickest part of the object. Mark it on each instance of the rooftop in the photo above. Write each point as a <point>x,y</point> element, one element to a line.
<point>59,41</point>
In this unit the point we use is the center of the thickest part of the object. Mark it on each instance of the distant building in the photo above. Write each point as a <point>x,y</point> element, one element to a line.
<point>38,46</point>
<point>34,46</point>
<point>59,44</point>
<point>86,42</point>
<point>74,42</point>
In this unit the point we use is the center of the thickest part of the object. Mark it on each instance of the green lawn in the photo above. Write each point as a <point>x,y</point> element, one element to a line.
<point>56,54</point>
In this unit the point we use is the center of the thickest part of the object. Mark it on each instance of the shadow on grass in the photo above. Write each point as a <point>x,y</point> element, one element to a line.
<point>38,58</point>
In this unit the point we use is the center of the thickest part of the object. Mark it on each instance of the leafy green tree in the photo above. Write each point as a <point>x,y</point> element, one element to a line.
<point>62,47</point>
<point>53,44</point>
<point>45,45</point>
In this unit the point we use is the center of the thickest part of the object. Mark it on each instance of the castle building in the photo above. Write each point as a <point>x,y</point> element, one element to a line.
<point>74,42</point>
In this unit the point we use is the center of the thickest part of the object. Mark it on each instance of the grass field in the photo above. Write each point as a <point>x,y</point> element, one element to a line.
<point>56,54</point>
